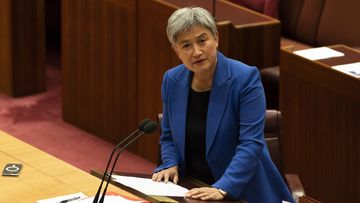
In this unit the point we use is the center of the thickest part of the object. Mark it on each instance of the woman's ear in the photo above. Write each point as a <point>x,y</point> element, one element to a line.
<point>217,38</point>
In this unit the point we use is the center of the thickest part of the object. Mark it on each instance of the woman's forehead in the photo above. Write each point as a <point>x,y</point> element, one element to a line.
<point>194,31</point>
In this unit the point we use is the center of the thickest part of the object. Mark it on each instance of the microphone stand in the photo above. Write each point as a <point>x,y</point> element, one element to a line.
<point>140,128</point>
<point>114,163</point>
<point>147,128</point>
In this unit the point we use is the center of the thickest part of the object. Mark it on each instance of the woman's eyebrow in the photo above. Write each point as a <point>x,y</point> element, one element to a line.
<point>202,35</point>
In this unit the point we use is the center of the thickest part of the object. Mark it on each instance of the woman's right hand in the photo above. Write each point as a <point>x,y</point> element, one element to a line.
<point>166,175</point>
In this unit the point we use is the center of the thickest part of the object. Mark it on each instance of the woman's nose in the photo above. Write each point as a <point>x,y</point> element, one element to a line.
<point>197,51</point>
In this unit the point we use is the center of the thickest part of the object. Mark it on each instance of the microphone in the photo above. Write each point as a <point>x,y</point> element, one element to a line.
<point>141,127</point>
<point>148,128</point>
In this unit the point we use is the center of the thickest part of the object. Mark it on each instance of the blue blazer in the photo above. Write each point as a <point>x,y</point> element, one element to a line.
<point>236,150</point>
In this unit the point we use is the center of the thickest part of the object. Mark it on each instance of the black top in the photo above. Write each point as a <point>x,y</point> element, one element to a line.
<point>195,144</point>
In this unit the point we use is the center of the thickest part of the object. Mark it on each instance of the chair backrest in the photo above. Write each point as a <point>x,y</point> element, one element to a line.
<point>267,7</point>
<point>321,22</point>
<point>272,133</point>
<point>159,116</point>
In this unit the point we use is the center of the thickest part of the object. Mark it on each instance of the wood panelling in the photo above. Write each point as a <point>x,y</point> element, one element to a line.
<point>22,42</point>
<point>321,124</point>
<point>99,66</point>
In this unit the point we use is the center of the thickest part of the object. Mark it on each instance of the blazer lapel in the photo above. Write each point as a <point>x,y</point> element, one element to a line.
<point>180,100</point>
<point>218,99</point>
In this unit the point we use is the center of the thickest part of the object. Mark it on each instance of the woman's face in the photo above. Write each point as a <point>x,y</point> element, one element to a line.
<point>197,49</point>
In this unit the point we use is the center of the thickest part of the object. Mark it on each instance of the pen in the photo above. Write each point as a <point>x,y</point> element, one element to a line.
<point>70,199</point>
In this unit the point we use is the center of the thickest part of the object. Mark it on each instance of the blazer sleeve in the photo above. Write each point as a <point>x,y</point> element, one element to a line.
<point>169,153</point>
<point>251,113</point>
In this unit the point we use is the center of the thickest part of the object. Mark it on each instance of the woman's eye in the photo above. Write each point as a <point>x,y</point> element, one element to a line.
<point>202,41</point>
<point>185,46</point>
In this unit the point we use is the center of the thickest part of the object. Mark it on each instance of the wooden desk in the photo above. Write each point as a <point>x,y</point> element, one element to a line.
<point>188,183</point>
<point>321,125</point>
<point>42,176</point>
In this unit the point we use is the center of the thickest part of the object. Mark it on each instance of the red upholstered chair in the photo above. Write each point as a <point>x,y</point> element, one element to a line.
<point>273,134</point>
<point>267,7</point>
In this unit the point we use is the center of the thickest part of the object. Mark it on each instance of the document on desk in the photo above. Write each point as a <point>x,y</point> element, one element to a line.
<point>318,53</point>
<point>64,198</point>
<point>150,187</point>
<point>352,69</point>
<point>112,198</point>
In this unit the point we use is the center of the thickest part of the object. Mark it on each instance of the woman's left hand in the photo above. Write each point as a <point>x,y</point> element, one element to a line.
<point>204,193</point>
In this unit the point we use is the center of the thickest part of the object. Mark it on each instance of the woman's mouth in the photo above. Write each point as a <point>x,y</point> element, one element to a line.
<point>199,61</point>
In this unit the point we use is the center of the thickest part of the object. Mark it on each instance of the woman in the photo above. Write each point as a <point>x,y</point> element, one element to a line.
<point>213,118</point>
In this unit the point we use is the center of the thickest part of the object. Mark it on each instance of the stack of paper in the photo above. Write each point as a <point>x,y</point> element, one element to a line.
<point>150,187</point>
<point>318,53</point>
<point>352,69</point>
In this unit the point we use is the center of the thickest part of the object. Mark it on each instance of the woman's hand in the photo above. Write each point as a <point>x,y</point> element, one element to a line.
<point>205,193</point>
<point>166,175</point>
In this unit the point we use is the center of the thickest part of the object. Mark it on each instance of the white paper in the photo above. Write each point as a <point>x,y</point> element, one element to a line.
<point>150,187</point>
<point>318,53</point>
<point>352,69</point>
<point>64,197</point>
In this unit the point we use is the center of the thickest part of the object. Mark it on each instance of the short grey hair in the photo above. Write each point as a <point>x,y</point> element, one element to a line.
<point>186,18</point>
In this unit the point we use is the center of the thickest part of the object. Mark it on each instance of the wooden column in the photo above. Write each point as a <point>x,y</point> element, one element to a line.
<point>22,47</point>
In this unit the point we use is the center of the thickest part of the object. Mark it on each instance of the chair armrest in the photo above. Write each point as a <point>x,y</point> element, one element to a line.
<point>295,186</point>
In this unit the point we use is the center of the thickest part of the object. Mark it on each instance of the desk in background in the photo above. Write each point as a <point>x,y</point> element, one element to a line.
<point>321,124</point>
<point>245,35</point>
<point>42,176</point>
